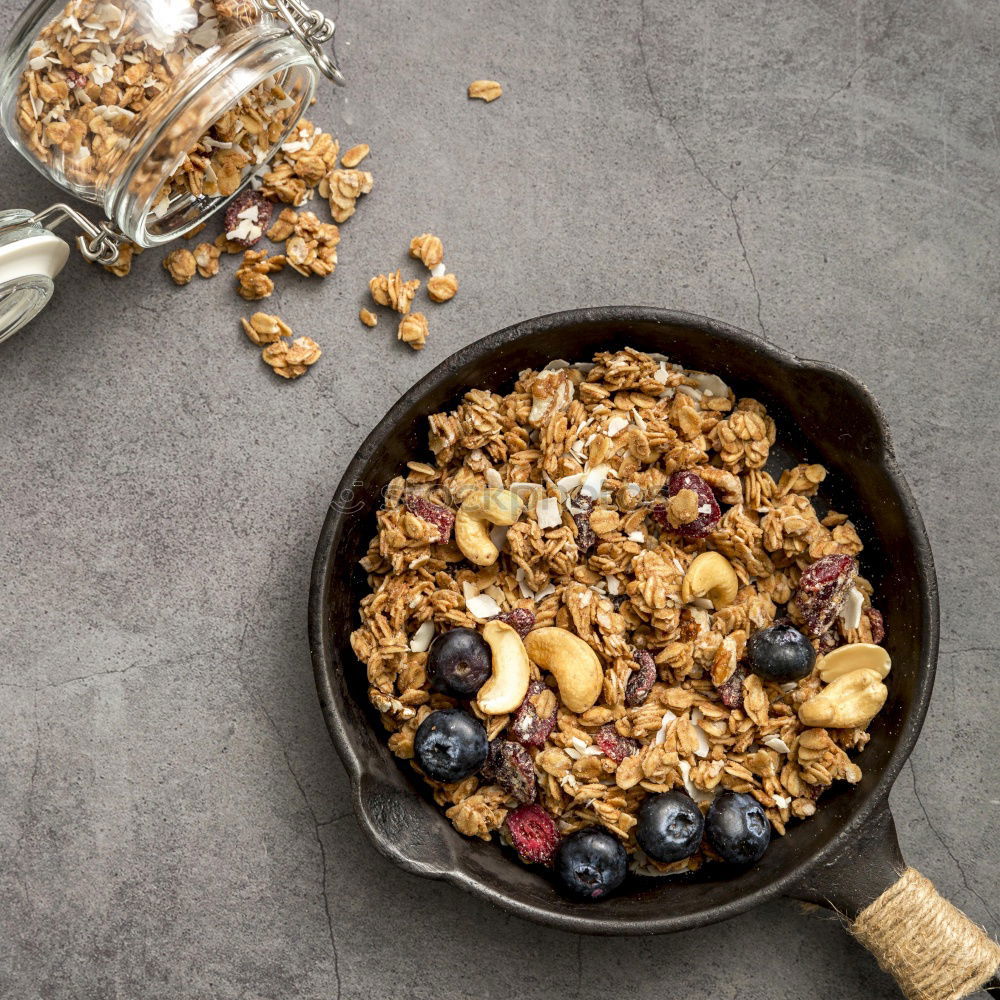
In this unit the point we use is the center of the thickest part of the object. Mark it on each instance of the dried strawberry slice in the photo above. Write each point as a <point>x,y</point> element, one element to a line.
<point>731,690</point>
<point>511,767</point>
<point>877,623</point>
<point>614,745</point>
<point>641,680</point>
<point>581,508</point>
<point>233,223</point>
<point>691,509</point>
<point>533,833</point>
<point>521,620</point>
<point>529,726</point>
<point>821,592</point>
<point>432,513</point>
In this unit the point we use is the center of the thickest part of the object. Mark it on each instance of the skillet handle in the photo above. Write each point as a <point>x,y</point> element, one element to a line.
<point>931,948</point>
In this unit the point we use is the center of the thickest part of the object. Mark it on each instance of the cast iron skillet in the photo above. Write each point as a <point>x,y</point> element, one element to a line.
<point>847,854</point>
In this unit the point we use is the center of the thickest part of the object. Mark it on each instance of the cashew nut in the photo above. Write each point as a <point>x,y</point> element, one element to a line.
<point>571,661</point>
<point>710,575</point>
<point>851,700</point>
<point>854,656</point>
<point>479,510</point>
<point>508,684</point>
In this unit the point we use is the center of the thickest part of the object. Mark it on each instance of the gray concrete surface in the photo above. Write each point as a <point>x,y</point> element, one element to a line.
<point>174,822</point>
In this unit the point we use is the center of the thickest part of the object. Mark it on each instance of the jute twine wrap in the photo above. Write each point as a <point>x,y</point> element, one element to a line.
<point>934,950</point>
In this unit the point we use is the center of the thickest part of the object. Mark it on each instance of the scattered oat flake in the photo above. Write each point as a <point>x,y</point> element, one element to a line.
<point>353,156</point>
<point>485,90</point>
<point>368,317</point>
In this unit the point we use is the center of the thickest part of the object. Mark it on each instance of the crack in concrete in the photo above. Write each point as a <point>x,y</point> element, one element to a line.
<point>29,806</point>
<point>96,673</point>
<point>339,818</point>
<point>730,199</point>
<point>845,86</point>
<point>943,843</point>
<point>746,260</point>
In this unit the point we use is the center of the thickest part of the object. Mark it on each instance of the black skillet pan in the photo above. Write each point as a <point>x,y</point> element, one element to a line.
<point>847,854</point>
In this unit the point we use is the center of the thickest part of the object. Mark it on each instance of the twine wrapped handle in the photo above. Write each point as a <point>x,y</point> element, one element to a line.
<point>932,949</point>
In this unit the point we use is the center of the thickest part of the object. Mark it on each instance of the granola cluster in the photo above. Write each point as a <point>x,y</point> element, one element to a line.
<point>393,292</point>
<point>632,473</point>
<point>95,70</point>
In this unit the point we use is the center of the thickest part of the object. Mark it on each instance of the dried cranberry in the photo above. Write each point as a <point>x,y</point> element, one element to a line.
<point>533,833</point>
<point>731,691</point>
<point>529,726</point>
<point>614,745</point>
<point>585,537</point>
<point>877,623</point>
<point>642,678</point>
<point>705,507</point>
<point>521,620</point>
<point>511,767</point>
<point>432,513</point>
<point>821,592</point>
<point>232,222</point>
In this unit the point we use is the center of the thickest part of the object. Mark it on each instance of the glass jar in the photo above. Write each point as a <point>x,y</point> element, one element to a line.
<point>158,111</point>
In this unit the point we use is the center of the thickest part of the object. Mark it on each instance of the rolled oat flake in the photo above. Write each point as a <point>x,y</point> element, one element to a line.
<point>158,113</point>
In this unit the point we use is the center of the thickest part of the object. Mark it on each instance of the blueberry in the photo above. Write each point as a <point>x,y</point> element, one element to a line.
<point>591,863</point>
<point>459,662</point>
<point>737,828</point>
<point>780,653</point>
<point>670,826</point>
<point>450,745</point>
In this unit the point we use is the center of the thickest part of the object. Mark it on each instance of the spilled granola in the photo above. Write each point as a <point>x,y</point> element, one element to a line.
<point>622,514</point>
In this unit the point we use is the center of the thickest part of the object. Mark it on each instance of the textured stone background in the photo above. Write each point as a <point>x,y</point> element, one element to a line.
<point>173,819</point>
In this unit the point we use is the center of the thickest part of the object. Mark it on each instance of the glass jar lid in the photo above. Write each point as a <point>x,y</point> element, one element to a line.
<point>30,259</point>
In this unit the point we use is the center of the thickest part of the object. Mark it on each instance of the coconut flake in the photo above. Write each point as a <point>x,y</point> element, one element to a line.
<point>850,613</point>
<point>498,535</point>
<point>493,479</point>
<point>482,606</point>
<point>616,425</point>
<point>567,484</point>
<point>689,390</point>
<point>614,587</point>
<point>661,733</point>
<point>556,365</point>
<point>710,385</point>
<point>636,536</point>
<point>545,591</point>
<point>526,591</point>
<point>422,638</point>
<point>775,743</point>
<point>547,513</point>
<point>593,481</point>
<point>703,748</point>
<point>782,801</point>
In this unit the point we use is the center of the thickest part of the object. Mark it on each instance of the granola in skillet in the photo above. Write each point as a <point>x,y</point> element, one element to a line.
<point>599,569</point>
